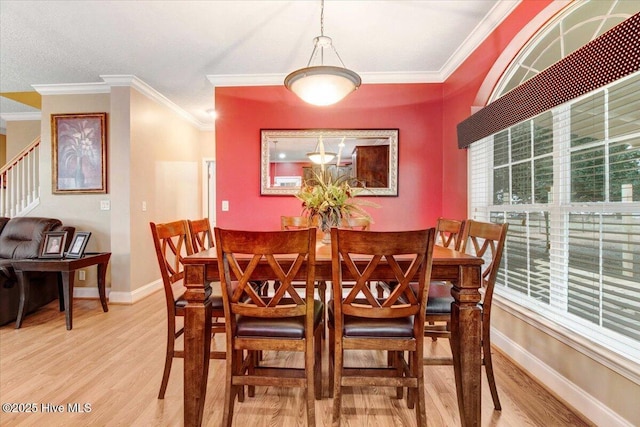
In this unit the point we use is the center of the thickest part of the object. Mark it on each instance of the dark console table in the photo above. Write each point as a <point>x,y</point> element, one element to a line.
<point>66,267</point>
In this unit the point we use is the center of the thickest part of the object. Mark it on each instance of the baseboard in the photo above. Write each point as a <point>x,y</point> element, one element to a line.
<point>120,297</point>
<point>576,397</point>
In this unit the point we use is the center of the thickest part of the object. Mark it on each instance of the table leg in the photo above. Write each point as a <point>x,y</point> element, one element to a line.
<point>102,275</point>
<point>60,291</point>
<point>197,344</point>
<point>466,345</point>
<point>68,278</point>
<point>23,287</point>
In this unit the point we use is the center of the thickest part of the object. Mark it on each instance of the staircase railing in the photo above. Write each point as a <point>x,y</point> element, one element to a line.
<point>20,182</point>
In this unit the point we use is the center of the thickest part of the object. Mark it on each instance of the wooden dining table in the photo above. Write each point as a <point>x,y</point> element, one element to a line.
<point>463,271</point>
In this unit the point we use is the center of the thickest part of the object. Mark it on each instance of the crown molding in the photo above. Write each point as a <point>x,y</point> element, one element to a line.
<point>72,88</point>
<point>496,15</point>
<point>228,80</point>
<point>120,80</point>
<point>20,117</point>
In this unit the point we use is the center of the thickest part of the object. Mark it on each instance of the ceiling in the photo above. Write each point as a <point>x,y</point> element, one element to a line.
<point>182,48</point>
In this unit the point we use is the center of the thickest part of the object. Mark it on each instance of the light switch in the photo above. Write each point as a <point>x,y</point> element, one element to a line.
<point>105,205</point>
<point>225,205</point>
<point>144,206</point>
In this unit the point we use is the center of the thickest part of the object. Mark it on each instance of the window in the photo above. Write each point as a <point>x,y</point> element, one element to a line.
<point>568,184</point>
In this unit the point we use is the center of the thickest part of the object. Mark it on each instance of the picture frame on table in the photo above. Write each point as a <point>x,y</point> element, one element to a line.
<point>79,153</point>
<point>78,244</point>
<point>53,244</point>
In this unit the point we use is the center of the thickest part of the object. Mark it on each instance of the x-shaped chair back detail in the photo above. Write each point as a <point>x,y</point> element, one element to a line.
<point>362,253</point>
<point>172,243</point>
<point>449,233</point>
<point>201,235</point>
<point>485,240</point>
<point>239,267</point>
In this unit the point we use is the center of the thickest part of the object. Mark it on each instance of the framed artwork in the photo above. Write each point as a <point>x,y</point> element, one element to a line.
<point>53,244</point>
<point>78,244</point>
<point>79,153</point>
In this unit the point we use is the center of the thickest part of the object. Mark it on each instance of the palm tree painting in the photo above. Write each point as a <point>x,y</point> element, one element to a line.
<point>79,153</point>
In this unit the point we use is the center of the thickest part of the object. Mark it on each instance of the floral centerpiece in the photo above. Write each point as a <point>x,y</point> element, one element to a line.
<point>328,200</point>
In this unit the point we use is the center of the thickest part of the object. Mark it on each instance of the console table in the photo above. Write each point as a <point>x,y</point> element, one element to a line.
<point>66,268</point>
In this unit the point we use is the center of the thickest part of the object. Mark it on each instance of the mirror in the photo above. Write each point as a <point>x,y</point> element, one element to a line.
<point>370,156</point>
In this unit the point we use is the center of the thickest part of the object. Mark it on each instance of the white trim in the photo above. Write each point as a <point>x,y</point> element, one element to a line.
<point>244,80</point>
<point>142,87</point>
<point>72,88</point>
<point>134,296</point>
<point>489,23</point>
<point>21,117</point>
<point>580,400</point>
<point>117,80</point>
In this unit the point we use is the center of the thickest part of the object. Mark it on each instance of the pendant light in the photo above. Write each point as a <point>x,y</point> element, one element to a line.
<point>322,84</point>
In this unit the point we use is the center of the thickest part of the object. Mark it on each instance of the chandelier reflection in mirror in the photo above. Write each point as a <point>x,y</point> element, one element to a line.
<point>319,155</point>
<point>322,84</point>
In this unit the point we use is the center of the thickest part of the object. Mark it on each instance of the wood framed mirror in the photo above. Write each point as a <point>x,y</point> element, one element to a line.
<point>368,155</point>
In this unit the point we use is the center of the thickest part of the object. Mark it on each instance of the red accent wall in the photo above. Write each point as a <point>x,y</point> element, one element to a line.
<point>432,178</point>
<point>459,93</point>
<point>414,109</point>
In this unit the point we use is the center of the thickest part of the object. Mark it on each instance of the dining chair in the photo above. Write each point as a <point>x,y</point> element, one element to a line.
<point>172,242</point>
<point>357,223</point>
<point>285,321</point>
<point>485,240</point>
<point>360,321</point>
<point>448,235</point>
<point>297,223</point>
<point>201,235</point>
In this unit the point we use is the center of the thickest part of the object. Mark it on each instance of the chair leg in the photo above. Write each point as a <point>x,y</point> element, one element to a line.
<point>418,370</point>
<point>252,357</point>
<point>337,385</point>
<point>397,360</point>
<point>317,363</point>
<point>171,341</point>
<point>331,359</point>
<point>310,372</point>
<point>487,361</point>
<point>322,293</point>
<point>230,390</point>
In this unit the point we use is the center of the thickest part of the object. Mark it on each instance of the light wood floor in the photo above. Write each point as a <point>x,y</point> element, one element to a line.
<point>113,362</point>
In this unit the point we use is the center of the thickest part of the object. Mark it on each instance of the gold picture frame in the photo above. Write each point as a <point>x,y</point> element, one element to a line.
<point>79,153</point>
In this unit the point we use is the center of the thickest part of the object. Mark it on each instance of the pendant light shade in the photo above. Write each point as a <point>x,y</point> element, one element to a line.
<point>321,158</point>
<point>322,84</point>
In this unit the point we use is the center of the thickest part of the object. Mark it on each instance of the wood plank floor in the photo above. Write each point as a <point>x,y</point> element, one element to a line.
<point>113,362</point>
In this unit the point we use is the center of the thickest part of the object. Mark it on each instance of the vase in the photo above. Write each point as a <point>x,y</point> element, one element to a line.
<point>79,174</point>
<point>326,237</point>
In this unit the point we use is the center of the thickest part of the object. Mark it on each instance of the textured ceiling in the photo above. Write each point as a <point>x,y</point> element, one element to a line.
<point>174,45</point>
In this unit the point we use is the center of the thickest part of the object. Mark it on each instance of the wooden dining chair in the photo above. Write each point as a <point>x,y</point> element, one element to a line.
<point>357,223</point>
<point>173,242</point>
<point>449,235</point>
<point>201,234</point>
<point>360,321</point>
<point>284,322</point>
<point>484,240</point>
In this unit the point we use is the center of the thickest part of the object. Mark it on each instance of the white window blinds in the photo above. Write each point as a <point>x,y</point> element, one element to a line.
<point>568,184</point>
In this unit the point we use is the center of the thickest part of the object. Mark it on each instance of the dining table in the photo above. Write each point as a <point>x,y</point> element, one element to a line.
<point>462,270</point>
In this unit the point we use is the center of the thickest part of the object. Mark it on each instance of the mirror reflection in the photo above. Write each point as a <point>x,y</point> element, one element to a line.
<point>290,157</point>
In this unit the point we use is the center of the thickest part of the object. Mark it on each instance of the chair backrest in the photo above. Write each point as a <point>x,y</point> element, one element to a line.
<point>449,233</point>
<point>283,254</point>
<point>201,235</point>
<point>294,222</point>
<point>408,257</point>
<point>172,243</point>
<point>486,240</point>
<point>357,223</point>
